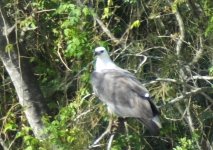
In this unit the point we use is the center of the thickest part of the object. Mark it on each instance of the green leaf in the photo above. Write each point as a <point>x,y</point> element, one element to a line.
<point>211,71</point>
<point>10,127</point>
<point>107,13</point>
<point>9,48</point>
<point>67,32</point>
<point>29,148</point>
<point>86,11</point>
<point>135,24</point>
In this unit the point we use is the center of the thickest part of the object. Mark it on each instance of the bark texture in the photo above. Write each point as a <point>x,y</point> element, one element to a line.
<point>19,70</point>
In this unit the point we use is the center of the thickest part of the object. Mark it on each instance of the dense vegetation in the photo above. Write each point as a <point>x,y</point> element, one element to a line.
<point>57,38</point>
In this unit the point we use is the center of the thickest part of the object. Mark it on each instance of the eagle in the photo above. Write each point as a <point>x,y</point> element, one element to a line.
<point>123,94</point>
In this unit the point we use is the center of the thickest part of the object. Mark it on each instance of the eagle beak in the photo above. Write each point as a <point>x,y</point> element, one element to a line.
<point>97,53</point>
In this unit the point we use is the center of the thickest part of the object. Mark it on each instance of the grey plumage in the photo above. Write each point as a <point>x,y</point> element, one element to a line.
<point>123,94</point>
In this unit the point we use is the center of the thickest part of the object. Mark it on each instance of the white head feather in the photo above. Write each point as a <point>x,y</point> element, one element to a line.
<point>103,60</point>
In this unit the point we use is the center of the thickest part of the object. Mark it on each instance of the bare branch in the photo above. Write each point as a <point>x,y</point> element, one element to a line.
<point>106,30</point>
<point>189,118</point>
<point>5,27</point>
<point>3,144</point>
<point>161,80</point>
<point>182,32</point>
<point>188,94</point>
<point>110,142</point>
<point>199,52</point>
<point>99,139</point>
<point>106,132</point>
<point>201,78</point>
<point>207,97</point>
<point>66,66</point>
<point>46,10</point>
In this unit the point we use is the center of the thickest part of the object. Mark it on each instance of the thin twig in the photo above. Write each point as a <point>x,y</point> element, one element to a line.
<point>82,114</point>
<point>99,139</point>
<point>161,80</point>
<point>207,97</point>
<point>144,60</point>
<point>127,133</point>
<point>5,33</point>
<point>59,55</point>
<point>109,145</point>
<point>46,10</point>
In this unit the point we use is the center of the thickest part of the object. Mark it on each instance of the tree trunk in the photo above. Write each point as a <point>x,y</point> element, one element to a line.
<point>19,70</point>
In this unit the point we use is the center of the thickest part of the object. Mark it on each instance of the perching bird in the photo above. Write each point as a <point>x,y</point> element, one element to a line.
<point>122,92</point>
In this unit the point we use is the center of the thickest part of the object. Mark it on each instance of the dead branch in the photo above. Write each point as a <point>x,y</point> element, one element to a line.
<point>46,10</point>
<point>63,62</point>
<point>182,32</point>
<point>105,133</point>
<point>5,27</point>
<point>161,80</point>
<point>3,144</point>
<point>207,97</point>
<point>188,94</point>
<point>199,52</point>
<point>201,78</point>
<point>106,30</point>
<point>109,145</point>
<point>94,144</point>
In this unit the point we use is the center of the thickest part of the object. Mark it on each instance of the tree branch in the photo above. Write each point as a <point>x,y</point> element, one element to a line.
<point>99,139</point>
<point>199,52</point>
<point>109,146</point>
<point>3,144</point>
<point>161,79</point>
<point>28,91</point>
<point>200,78</point>
<point>106,30</point>
<point>188,94</point>
<point>182,32</point>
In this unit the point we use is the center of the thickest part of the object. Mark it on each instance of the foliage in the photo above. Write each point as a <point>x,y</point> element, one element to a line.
<point>65,131</point>
<point>187,144</point>
<point>58,38</point>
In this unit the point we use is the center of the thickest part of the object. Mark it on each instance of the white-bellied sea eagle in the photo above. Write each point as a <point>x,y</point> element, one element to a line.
<point>123,94</point>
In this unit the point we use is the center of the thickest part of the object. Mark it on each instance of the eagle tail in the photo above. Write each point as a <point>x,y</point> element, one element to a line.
<point>153,124</point>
